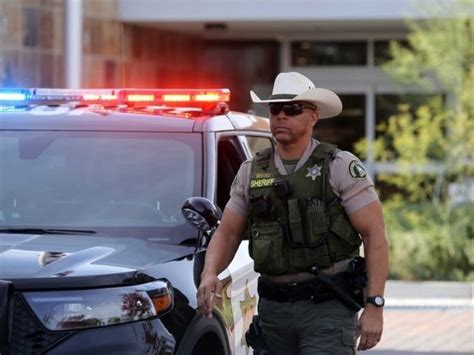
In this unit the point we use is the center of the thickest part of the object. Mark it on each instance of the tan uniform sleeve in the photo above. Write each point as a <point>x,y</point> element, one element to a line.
<point>350,182</point>
<point>238,201</point>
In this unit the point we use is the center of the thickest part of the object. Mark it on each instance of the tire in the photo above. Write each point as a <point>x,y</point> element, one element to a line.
<point>204,337</point>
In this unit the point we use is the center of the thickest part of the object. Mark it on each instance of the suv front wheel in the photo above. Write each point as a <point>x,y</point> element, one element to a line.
<point>204,336</point>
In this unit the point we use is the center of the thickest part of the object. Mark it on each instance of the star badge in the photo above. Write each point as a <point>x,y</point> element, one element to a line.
<point>314,172</point>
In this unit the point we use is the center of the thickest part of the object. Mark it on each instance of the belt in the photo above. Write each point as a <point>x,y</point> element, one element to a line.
<point>298,291</point>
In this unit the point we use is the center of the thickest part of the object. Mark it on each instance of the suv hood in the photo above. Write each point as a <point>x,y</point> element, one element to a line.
<point>64,256</point>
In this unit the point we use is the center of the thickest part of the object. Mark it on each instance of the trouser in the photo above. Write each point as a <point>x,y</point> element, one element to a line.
<point>305,327</point>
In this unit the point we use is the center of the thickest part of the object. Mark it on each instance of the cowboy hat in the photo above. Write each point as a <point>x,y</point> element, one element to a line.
<point>296,87</point>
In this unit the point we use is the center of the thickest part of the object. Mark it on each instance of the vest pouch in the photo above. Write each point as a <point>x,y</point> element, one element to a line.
<point>316,222</point>
<point>296,224</point>
<point>267,247</point>
<point>348,239</point>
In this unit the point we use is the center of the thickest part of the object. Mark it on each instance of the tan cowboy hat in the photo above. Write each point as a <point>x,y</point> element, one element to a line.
<point>296,87</point>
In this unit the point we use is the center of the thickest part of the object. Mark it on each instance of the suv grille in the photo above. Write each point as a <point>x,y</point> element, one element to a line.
<point>28,336</point>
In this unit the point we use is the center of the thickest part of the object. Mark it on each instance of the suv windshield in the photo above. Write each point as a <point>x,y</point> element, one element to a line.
<point>131,182</point>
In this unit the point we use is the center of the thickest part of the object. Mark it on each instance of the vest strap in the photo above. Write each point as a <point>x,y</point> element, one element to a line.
<point>262,158</point>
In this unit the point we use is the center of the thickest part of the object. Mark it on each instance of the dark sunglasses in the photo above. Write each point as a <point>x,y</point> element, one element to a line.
<point>289,109</point>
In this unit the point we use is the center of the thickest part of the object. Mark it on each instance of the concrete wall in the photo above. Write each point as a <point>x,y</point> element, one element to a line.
<point>268,10</point>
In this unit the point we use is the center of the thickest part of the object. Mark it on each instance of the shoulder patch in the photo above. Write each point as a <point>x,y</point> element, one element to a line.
<point>356,170</point>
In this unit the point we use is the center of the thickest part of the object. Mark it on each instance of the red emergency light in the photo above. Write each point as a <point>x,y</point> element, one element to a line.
<point>191,97</point>
<point>99,97</point>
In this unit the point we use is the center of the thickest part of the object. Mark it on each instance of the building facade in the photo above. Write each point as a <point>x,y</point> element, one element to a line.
<point>239,44</point>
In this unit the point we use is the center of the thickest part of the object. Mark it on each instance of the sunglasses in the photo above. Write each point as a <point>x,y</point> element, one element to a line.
<point>289,109</point>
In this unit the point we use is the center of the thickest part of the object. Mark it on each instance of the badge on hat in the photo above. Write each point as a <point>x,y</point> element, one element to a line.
<point>356,170</point>
<point>314,172</point>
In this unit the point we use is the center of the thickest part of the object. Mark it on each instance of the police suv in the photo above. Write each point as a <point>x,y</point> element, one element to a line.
<point>97,189</point>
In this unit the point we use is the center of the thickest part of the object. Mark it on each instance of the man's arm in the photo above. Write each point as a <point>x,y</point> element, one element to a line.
<point>222,248</point>
<point>368,221</point>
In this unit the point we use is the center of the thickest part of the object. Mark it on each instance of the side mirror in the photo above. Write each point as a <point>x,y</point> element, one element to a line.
<point>201,213</point>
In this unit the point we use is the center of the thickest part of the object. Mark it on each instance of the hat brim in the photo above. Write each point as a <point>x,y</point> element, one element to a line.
<point>328,103</point>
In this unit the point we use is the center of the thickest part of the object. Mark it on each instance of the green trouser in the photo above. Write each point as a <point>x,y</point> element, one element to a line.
<point>306,327</point>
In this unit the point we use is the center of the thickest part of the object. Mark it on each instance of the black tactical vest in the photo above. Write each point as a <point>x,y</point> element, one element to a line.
<point>296,221</point>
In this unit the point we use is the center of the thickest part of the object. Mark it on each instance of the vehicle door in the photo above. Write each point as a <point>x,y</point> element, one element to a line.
<point>239,301</point>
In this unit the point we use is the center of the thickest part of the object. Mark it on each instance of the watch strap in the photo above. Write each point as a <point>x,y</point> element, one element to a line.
<point>377,300</point>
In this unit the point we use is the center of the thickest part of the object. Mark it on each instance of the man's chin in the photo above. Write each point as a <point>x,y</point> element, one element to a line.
<point>283,138</point>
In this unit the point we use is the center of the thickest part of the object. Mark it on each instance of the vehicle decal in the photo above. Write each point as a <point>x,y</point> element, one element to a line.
<point>238,302</point>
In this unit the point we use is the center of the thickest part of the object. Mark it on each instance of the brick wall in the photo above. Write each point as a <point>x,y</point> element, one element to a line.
<point>114,53</point>
<point>31,43</point>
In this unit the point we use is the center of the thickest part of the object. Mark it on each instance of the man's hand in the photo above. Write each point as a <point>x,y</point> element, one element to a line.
<point>370,327</point>
<point>368,221</point>
<point>222,248</point>
<point>210,286</point>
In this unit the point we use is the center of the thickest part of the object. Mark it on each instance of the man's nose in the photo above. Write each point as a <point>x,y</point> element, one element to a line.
<point>281,116</point>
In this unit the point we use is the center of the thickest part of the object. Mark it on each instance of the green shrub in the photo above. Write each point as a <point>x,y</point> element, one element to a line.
<point>431,235</point>
<point>426,246</point>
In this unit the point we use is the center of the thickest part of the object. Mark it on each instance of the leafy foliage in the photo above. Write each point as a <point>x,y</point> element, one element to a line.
<point>430,228</point>
<point>424,247</point>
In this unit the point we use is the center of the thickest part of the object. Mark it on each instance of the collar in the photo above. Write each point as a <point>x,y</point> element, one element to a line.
<point>304,158</point>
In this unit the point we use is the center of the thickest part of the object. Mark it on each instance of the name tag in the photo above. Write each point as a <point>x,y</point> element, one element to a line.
<point>261,182</point>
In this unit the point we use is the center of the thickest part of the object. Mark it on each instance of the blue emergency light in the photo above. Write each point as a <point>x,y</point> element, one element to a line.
<point>13,95</point>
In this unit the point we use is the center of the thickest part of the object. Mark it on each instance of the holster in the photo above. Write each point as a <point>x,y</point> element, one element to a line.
<point>348,286</point>
<point>357,276</point>
<point>254,338</point>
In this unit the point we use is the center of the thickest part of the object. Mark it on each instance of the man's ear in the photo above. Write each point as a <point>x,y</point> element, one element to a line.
<point>315,117</point>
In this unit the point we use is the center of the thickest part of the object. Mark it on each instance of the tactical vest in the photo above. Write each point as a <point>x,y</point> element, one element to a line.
<point>296,221</point>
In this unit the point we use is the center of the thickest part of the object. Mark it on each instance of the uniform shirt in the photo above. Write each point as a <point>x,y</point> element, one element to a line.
<point>347,177</point>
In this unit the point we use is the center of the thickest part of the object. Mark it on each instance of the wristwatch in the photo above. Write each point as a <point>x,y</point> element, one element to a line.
<point>378,301</point>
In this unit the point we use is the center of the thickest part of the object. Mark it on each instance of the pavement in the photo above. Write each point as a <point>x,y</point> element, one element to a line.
<point>427,318</point>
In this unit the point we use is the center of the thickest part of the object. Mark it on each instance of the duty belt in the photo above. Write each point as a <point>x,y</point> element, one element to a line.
<point>298,291</point>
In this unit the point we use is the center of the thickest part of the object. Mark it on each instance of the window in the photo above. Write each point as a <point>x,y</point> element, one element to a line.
<point>347,128</point>
<point>382,51</point>
<point>229,158</point>
<point>255,143</point>
<point>30,38</point>
<point>307,53</point>
<point>98,180</point>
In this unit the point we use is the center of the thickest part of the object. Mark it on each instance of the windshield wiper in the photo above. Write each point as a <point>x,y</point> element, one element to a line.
<point>45,231</point>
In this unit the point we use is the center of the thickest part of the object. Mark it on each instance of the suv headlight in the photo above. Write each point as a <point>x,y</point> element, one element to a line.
<point>64,310</point>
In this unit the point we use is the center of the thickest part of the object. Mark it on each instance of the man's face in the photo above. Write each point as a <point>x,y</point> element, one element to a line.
<point>291,122</point>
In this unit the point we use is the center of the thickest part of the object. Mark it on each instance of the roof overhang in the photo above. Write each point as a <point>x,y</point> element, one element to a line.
<point>271,19</point>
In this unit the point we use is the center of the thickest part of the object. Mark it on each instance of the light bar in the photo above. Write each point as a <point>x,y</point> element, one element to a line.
<point>198,97</point>
<point>176,98</point>
<point>205,99</point>
<point>212,97</point>
<point>140,98</point>
<point>80,96</point>
<point>12,96</point>
<point>99,97</point>
<point>25,97</point>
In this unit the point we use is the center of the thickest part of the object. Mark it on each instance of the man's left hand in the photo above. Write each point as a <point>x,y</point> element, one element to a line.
<point>370,327</point>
